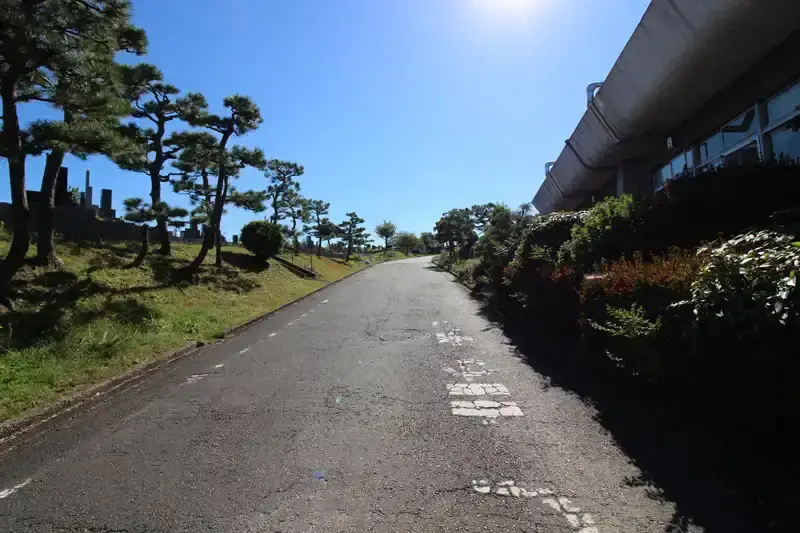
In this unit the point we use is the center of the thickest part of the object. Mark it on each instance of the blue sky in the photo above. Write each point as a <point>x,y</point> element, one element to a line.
<point>399,109</point>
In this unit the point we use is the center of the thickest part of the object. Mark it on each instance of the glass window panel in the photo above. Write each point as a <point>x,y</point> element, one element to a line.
<point>690,159</point>
<point>784,104</point>
<point>711,147</point>
<point>662,176</point>
<point>786,143</point>
<point>679,164</point>
<point>739,129</point>
<point>747,155</point>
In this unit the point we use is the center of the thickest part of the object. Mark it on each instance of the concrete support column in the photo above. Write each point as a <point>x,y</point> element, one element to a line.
<point>634,177</point>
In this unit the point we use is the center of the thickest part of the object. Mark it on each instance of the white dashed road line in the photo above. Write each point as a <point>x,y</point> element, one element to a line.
<point>244,351</point>
<point>194,378</point>
<point>477,389</point>
<point>486,408</point>
<point>219,365</point>
<point>324,301</point>
<point>271,334</point>
<point>5,493</point>
<point>583,523</point>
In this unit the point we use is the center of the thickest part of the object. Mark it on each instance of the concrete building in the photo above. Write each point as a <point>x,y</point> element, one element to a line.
<point>699,84</point>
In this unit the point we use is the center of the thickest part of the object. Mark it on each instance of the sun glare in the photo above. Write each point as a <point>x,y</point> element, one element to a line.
<point>508,10</point>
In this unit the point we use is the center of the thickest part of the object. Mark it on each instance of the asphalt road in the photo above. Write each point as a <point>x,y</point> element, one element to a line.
<point>335,416</point>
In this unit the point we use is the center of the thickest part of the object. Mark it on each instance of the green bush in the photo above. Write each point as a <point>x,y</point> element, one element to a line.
<point>261,238</point>
<point>606,233</point>
<point>689,211</point>
<point>748,285</point>
<point>628,313</point>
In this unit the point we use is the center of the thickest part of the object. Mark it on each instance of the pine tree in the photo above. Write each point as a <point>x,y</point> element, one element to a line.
<point>296,209</point>
<point>156,104</point>
<point>386,231</point>
<point>198,170</point>
<point>243,117</point>
<point>351,232</point>
<point>317,209</point>
<point>41,43</point>
<point>281,175</point>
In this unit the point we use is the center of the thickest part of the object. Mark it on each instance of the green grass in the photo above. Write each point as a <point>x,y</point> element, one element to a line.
<point>94,318</point>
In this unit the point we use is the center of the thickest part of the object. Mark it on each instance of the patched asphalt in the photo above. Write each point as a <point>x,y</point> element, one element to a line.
<point>339,422</point>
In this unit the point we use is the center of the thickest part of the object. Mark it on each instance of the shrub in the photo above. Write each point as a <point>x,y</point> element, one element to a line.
<point>749,284</point>
<point>628,314</point>
<point>605,233</point>
<point>261,238</point>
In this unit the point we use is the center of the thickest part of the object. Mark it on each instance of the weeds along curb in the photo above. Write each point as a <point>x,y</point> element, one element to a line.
<point>39,419</point>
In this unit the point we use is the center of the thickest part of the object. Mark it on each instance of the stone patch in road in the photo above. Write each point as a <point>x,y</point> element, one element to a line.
<point>477,389</point>
<point>485,408</point>
<point>472,368</point>
<point>581,522</point>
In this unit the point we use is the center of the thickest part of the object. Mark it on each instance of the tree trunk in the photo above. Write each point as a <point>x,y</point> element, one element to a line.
<point>45,246</point>
<point>385,245</point>
<point>161,222</point>
<point>16,174</point>
<point>218,239</point>
<point>144,249</point>
<point>216,215</point>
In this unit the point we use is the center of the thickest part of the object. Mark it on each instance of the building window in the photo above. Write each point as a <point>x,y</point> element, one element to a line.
<point>682,163</point>
<point>711,147</point>
<point>740,128</point>
<point>786,142</point>
<point>746,155</point>
<point>784,105</point>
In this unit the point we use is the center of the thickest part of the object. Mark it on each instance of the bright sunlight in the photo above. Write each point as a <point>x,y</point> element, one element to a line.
<point>509,10</point>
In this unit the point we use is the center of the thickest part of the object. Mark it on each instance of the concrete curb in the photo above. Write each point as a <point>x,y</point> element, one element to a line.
<point>39,419</point>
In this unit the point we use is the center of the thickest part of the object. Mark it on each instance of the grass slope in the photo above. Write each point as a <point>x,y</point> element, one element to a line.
<point>94,318</point>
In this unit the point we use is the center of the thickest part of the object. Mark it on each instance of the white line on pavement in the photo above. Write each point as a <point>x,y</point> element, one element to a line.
<point>485,408</point>
<point>271,334</point>
<point>291,323</point>
<point>324,301</point>
<point>477,389</point>
<point>219,365</point>
<point>5,493</point>
<point>244,351</point>
<point>583,523</point>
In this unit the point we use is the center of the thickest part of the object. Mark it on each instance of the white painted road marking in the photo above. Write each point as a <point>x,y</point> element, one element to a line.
<point>583,523</point>
<point>194,378</point>
<point>472,368</point>
<point>271,334</point>
<point>324,301</point>
<point>5,493</point>
<point>435,324</point>
<point>219,365</point>
<point>486,408</point>
<point>477,389</point>
<point>290,323</point>
<point>441,338</point>
<point>305,314</point>
<point>244,351</point>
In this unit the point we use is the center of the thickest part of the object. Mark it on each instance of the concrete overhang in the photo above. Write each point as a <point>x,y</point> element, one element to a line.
<point>680,55</point>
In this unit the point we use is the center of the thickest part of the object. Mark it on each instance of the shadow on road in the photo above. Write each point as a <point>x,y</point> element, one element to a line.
<point>709,483</point>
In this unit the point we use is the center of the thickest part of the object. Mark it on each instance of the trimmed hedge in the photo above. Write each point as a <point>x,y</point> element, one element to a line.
<point>262,238</point>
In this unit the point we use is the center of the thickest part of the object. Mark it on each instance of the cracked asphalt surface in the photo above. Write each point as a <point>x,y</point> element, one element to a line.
<point>327,427</point>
